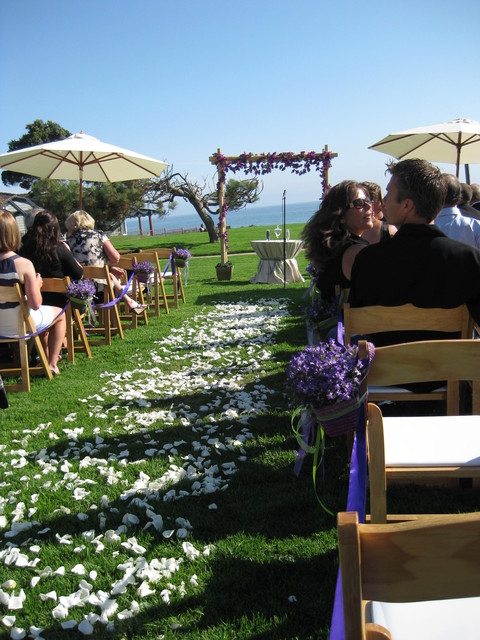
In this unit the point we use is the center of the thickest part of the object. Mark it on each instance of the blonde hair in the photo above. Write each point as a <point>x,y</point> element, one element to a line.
<point>9,232</point>
<point>79,220</point>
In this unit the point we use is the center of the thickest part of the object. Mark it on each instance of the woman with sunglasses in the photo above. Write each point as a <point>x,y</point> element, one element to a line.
<point>333,236</point>
<point>381,230</point>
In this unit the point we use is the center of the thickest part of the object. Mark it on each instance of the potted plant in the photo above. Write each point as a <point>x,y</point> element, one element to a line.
<point>143,271</point>
<point>224,270</point>
<point>181,257</point>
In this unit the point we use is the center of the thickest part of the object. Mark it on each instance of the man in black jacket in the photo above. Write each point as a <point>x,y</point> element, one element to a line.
<point>419,264</point>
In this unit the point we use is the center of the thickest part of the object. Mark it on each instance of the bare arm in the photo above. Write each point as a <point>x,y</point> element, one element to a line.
<point>111,253</point>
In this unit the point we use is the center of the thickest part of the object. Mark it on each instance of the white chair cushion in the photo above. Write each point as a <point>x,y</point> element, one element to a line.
<point>438,619</point>
<point>432,441</point>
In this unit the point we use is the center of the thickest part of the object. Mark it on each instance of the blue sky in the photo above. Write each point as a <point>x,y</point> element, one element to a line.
<point>177,80</point>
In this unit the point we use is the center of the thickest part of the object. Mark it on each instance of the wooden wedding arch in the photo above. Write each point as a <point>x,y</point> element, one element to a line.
<point>262,164</point>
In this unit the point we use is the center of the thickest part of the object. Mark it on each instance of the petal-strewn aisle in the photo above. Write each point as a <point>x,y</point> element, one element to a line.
<point>98,500</point>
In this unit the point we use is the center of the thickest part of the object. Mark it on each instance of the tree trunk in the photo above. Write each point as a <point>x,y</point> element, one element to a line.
<point>207,220</point>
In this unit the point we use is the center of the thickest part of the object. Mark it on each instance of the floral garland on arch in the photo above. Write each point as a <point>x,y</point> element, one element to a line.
<point>264,163</point>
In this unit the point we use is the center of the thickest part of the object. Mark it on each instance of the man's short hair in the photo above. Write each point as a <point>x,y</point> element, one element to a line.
<point>475,192</point>
<point>454,189</point>
<point>466,193</point>
<point>421,182</point>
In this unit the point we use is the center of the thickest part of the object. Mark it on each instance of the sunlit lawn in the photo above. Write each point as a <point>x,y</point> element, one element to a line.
<point>149,492</point>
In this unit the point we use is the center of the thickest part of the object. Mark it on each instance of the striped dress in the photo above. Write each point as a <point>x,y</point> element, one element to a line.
<point>8,307</point>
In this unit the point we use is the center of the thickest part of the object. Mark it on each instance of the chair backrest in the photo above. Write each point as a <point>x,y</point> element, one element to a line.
<point>112,321</point>
<point>426,361</point>
<point>452,323</point>
<point>377,319</point>
<point>430,558</point>
<point>157,293</point>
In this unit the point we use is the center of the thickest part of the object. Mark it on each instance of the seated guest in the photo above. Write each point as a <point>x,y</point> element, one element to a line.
<point>464,203</point>
<point>91,247</point>
<point>333,236</point>
<point>381,230</point>
<point>15,268</point>
<point>420,264</point>
<point>450,219</point>
<point>475,199</point>
<point>51,257</point>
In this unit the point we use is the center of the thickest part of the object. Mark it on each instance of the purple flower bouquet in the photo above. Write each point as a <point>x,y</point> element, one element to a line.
<point>325,380</point>
<point>181,257</point>
<point>143,270</point>
<point>80,293</point>
<point>320,316</point>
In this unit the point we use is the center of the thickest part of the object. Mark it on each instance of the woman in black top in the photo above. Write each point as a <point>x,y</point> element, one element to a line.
<point>333,236</point>
<point>51,257</point>
<point>381,230</point>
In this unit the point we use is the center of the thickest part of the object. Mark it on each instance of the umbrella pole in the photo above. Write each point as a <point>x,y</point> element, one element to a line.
<point>80,194</point>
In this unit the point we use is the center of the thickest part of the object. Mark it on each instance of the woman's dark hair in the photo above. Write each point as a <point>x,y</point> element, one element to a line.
<point>326,231</point>
<point>43,237</point>
<point>374,191</point>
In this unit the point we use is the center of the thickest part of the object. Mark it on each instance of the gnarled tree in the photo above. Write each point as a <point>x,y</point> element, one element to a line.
<point>170,185</point>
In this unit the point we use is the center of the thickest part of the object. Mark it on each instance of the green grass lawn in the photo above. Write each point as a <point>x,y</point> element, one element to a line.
<point>149,492</point>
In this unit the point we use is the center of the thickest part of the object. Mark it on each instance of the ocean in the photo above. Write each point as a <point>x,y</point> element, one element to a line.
<point>250,216</point>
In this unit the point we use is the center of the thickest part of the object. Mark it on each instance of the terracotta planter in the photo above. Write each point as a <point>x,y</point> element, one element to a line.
<point>224,271</point>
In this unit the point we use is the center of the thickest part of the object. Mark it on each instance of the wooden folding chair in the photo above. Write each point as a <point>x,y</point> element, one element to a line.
<point>171,273</point>
<point>156,296</point>
<point>412,580</point>
<point>75,331</point>
<point>426,448</point>
<point>135,291</point>
<point>109,322</point>
<point>179,276</point>
<point>26,328</point>
<point>364,321</point>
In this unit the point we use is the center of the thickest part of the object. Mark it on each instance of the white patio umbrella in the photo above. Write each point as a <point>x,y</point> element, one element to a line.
<point>82,157</point>
<point>456,142</point>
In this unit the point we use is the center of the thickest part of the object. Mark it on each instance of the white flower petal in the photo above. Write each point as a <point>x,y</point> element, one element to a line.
<point>85,627</point>
<point>8,621</point>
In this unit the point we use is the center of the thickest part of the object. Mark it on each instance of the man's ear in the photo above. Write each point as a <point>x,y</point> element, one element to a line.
<point>409,206</point>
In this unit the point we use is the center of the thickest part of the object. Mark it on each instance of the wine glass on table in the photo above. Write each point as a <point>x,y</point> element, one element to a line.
<point>277,231</point>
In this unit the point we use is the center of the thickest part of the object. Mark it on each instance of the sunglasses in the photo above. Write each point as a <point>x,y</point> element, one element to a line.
<point>359,203</point>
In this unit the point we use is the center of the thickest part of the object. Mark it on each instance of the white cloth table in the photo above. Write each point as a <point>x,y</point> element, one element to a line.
<point>270,266</point>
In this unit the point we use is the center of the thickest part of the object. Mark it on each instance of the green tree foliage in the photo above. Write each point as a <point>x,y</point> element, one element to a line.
<point>109,204</point>
<point>38,132</point>
<point>239,193</point>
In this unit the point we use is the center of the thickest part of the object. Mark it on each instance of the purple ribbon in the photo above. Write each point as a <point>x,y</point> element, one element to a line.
<point>112,303</point>
<point>357,491</point>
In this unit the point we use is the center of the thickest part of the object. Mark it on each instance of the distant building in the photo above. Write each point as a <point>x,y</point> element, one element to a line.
<point>21,207</point>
